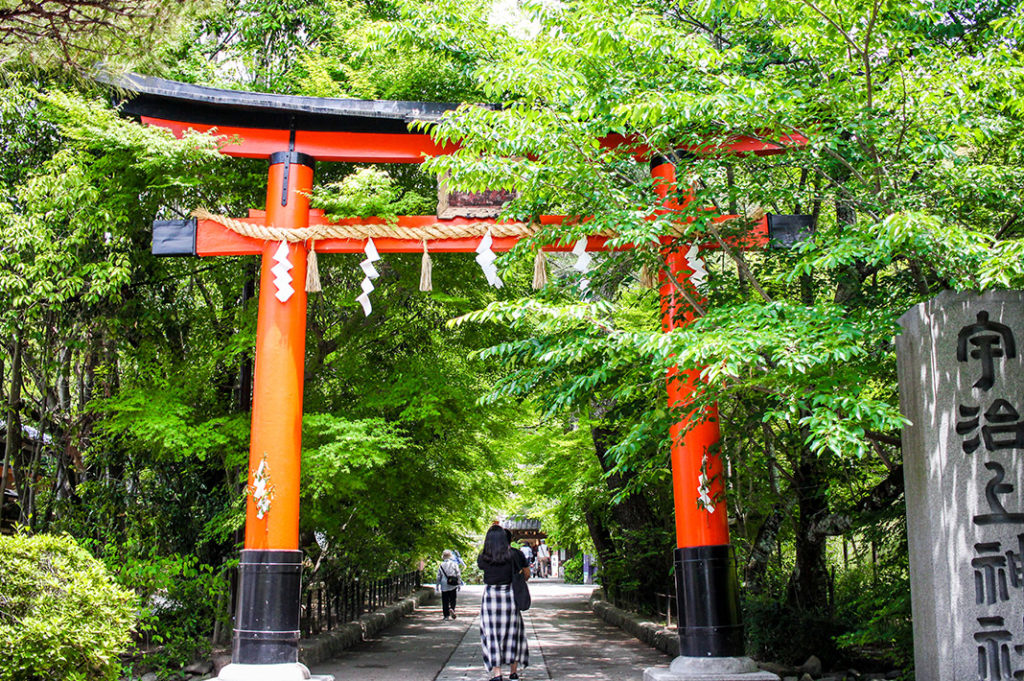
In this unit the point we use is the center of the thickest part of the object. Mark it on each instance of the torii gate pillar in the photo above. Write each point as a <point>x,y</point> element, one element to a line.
<point>266,632</point>
<point>711,646</point>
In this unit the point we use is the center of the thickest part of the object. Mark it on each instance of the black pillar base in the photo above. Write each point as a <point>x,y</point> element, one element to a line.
<point>267,619</point>
<point>708,602</point>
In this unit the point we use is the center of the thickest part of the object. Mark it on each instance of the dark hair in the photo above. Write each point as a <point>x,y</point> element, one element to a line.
<point>497,550</point>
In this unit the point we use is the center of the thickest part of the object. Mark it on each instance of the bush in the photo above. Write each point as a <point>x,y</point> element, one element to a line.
<point>61,615</point>
<point>574,569</point>
<point>177,599</point>
<point>876,608</point>
<point>778,632</point>
<point>471,574</point>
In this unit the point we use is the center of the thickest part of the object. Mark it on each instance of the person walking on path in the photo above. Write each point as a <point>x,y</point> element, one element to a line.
<point>543,559</point>
<point>528,552</point>
<point>449,580</point>
<point>502,633</point>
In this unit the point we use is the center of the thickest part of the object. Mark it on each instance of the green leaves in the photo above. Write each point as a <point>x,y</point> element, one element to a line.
<point>342,457</point>
<point>72,227</point>
<point>368,192</point>
<point>63,616</point>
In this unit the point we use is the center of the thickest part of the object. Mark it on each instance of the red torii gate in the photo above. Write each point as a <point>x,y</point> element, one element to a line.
<point>293,133</point>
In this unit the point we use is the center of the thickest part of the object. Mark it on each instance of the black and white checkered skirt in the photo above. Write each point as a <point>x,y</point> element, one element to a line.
<point>502,634</point>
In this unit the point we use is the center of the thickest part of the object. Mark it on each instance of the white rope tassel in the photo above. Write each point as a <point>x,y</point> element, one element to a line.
<point>583,260</point>
<point>312,270</point>
<point>540,270</point>
<point>370,274</point>
<point>426,271</point>
<point>648,279</point>
<point>485,258</point>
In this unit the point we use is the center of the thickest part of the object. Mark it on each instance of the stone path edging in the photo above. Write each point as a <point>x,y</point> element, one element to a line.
<point>324,646</point>
<point>651,633</point>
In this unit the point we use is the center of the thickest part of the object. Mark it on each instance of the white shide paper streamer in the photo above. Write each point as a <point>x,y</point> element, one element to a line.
<point>262,492</point>
<point>704,487</point>
<point>696,263</point>
<point>485,257</point>
<point>370,274</point>
<point>282,276</point>
<point>583,260</point>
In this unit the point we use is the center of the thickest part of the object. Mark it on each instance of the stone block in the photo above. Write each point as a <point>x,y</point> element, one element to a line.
<point>199,668</point>
<point>667,642</point>
<point>220,660</point>
<point>812,666</point>
<point>961,376</point>
<point>709,669</point>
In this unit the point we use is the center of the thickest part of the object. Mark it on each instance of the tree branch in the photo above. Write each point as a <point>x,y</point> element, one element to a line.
<point>698,309</point>
<point>878,498</point>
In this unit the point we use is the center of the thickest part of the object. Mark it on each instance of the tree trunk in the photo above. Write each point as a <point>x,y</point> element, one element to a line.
<point>601,536</point>
<point>809,583</point>
<point>761,550</point>
<point>632,511</point>
<point>12,444</point>
<point>643,555</point>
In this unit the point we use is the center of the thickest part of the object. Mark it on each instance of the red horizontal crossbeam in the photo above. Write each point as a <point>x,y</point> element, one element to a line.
<point>736,144</point>
<point>212,238</point>
<point>363,147</point>
<point>355,147</point>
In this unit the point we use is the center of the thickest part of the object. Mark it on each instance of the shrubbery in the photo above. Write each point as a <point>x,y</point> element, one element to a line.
<point>61,615</point>
<point>573,569</point>
<point>781,633</point>
<point>178,600</point>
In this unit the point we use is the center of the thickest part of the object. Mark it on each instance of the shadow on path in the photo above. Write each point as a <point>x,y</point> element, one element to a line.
<point>567,643</point>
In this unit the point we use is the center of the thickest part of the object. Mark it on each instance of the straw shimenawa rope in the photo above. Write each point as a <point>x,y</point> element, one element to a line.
<point>438,230</point>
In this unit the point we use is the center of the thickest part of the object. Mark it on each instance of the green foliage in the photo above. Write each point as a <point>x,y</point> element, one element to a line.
<point>360,58</point>
<point>369,192</point>
<point>879,615</point>
<point>875,598</point>
<point>44,37</point>
<point>778,631</point>
<point>912,115</point>
<point>574,569</point>
<point>176,601</point>
<point>471,574</point>
<point>911,158</point>
<point>61,614</point>
<point>70,235</point>
<point>248,44</point>
<point>562,482</point>
<point>137,363</point>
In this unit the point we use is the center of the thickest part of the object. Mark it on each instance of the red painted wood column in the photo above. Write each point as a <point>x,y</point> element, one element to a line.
<point>707,587</point>
<point>267,619</point>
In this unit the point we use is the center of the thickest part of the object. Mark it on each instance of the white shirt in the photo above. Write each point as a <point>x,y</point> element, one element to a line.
<point>448,568</point>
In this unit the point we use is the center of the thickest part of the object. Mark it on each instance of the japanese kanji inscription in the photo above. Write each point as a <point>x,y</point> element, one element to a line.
<point>962,389</point>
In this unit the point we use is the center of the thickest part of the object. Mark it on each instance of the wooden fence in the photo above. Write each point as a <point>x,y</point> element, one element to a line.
<point>628,599</point>
<point>332,601</point>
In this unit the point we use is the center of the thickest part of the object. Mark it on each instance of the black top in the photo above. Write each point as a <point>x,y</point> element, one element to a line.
<point>502,574</point>
<point>169,99</point>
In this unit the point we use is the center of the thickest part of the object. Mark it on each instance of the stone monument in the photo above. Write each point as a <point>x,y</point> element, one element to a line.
<point>961,377</point>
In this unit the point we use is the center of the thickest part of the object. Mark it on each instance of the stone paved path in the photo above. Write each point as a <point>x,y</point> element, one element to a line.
<point>567,643</point>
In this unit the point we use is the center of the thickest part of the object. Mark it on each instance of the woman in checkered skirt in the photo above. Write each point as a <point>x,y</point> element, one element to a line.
<point>502,635</point>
